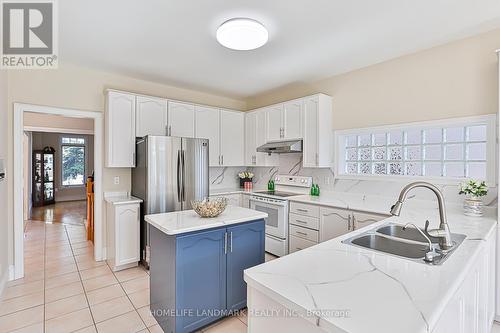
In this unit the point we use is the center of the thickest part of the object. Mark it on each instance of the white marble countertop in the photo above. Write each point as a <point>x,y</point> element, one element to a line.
<point>122,200</point>
<point>379,290</point>
<point>234,190</point>
<point>175,223</point>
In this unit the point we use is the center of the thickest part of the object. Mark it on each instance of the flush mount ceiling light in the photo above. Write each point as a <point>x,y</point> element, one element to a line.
<point>242,34</point>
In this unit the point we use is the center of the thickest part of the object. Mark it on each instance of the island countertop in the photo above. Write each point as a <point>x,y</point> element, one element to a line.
<point>382,293</point>
<point>180,222</point>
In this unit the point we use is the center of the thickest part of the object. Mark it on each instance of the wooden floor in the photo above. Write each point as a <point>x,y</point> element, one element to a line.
<point>69,212</point>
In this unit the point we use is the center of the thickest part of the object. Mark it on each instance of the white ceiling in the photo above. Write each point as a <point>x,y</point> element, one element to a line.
<point>173,41</point>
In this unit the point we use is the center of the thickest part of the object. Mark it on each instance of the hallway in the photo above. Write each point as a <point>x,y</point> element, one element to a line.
<point>66,212</point>
<point>64,290</point>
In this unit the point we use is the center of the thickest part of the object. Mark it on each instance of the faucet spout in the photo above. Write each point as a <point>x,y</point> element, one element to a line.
<point>443,233</point>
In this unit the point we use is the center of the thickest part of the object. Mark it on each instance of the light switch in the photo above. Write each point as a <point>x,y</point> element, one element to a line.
<point>117,180</point>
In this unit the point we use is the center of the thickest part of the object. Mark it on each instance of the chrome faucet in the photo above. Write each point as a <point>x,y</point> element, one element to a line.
<point>443,233</point>
<point>431,254</point>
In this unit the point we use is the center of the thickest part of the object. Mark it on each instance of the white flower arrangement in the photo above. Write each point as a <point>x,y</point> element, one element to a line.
<point>474,188</point>
<point>246,175</point>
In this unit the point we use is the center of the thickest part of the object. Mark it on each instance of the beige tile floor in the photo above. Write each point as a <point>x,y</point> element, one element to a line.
<point>64,290</point>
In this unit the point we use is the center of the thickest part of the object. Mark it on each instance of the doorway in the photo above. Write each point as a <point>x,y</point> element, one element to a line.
<point>65,175</point>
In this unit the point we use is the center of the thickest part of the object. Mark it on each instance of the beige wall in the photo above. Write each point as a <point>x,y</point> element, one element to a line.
<point>53,121</point>
<point>5,241</point>
<point>82,88</point>
<point>453,80</point>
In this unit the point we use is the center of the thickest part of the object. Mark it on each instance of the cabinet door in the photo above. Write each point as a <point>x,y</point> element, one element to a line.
<point>150,116</point>
<point>232,128</point>
<point>120,130</point>
<point>360,220</point>
<point>274,128</point>
<point>200,278</point>
<point>333,223</point>
<point>246,249</point>
<point>181,119</point>
<point>310,130</point>
<point>263,159</point>
<point>251,138</point>
<point>232,199</point>
<point>292,120</point>
<point>207,127</point>
<point>127,234</point>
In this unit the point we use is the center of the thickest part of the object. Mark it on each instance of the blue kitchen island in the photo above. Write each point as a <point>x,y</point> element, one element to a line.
<point>197,265</point>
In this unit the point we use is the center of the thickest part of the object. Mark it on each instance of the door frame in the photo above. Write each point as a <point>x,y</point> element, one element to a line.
<point>19,109</point>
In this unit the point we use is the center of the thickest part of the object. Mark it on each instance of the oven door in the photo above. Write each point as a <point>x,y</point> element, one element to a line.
<point>276,222</point>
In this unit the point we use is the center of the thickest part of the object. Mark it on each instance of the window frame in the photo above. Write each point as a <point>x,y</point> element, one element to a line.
<point>84,145</point>
<point>489,120</point>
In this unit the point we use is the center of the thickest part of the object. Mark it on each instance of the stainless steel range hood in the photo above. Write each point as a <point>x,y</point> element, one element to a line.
<point>281,147</point>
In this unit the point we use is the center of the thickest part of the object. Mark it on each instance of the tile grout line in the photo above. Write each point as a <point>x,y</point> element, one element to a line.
<point>126,294</point>
<point>81,281</point>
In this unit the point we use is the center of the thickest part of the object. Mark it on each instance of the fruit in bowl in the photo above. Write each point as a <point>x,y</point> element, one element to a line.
<point>209,207</point>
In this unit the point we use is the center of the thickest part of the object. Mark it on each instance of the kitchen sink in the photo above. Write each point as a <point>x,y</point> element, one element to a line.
<point>397,231</point>
<point>392,246</point>
<point>406,243</point>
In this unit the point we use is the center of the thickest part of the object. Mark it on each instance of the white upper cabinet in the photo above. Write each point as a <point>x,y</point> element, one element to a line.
<point>292,120</point>
<point>232,137</point>
<point>151,116</point>
<point>120,130</point>
<point>207,127</point>
<point>255,136</point>
<point>181,119</point>
<point>274,122</point>
<point>251,138</point>
<point>317,131</point>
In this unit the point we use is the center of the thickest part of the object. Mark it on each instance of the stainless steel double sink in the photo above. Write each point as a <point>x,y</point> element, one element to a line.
<point>406,243</point>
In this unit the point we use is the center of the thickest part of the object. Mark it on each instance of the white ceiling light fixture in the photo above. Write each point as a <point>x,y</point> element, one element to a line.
<point>242,34</point>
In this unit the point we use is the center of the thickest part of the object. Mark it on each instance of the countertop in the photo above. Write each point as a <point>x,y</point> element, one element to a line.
<point>122,200</point>
<point>378,290</point>
<point>234,190</point>
<point>180,222</point>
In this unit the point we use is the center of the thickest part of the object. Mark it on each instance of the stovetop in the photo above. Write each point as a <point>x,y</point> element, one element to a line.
<point>277,193</point>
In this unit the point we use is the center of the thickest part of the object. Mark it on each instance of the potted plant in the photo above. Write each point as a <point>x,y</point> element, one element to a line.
<point>245,176</point>
<point>474,190</point>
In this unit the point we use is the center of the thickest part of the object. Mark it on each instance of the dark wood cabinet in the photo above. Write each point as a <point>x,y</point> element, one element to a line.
<point>43,178</point>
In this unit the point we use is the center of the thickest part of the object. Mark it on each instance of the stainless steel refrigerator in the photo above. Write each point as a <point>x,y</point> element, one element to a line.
<point>169,173</point>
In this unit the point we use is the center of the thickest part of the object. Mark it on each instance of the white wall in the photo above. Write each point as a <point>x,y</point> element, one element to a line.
<point>5,239</point>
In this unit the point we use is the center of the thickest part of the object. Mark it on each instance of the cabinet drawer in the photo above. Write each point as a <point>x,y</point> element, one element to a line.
<point>304,221</point>
<point>309,234</point>
<point>304,209</point>
<point>297,244</point>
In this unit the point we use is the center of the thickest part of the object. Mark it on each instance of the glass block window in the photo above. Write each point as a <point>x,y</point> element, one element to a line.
<point>460,149</point>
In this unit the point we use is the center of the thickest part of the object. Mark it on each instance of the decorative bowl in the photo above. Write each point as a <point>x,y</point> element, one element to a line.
<point>209,207</point>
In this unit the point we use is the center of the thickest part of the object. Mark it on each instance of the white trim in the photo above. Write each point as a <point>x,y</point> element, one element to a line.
<point>18,130</point>
<point>489,119</point>
<point>3,280</point>
<point>58,130</point>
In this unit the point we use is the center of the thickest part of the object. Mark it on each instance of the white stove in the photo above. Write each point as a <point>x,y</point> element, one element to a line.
<point>275,204</point>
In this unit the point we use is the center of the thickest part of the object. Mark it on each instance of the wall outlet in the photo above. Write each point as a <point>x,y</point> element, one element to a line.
<point>327,180</point>
<point>117,180</point>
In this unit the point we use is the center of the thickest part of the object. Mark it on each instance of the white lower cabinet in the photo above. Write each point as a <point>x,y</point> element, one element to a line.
<point>304,226</point>
<point>471,309</point>
<point>123,247</point>
<point>333,222</point>
<point>232,199</point>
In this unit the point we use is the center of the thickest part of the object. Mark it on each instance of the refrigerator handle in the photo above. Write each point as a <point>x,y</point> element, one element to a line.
<point>183,155</point>
<point>179,175</point>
